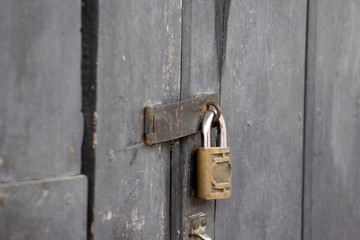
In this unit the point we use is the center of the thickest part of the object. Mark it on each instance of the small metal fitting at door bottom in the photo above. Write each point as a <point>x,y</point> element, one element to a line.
<point>198,226</point>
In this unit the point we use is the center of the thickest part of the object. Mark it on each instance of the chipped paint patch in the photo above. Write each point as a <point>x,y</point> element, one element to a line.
<point>92,228</point>
<point>136,223</point>
<point>107,216</point>
<point>95,117</point>
<point>3,199</point>
<point>112,156</point>
<point>72,150</point>
<point>94,142</point>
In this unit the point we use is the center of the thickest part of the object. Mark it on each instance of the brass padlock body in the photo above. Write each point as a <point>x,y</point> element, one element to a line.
<point>213,173</point>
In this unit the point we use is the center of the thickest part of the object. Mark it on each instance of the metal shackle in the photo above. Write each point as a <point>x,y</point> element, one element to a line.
<point>206,129</point>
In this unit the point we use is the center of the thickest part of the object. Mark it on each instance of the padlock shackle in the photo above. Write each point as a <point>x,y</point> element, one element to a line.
<point>223,136</point>
<point>206,129</point>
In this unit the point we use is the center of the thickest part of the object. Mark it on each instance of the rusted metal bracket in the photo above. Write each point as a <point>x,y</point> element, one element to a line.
<point>198,226</point>
<point>166,122</point>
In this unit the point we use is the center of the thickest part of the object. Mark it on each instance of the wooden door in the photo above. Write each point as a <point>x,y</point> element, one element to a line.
<point>262,94</point>
<point>332,155</point>
<point>265,59</point>
<point>137,62</point>
<point>287,74</point>
<point>253,55</point>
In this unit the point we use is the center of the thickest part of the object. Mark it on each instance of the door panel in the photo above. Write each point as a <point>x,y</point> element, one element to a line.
<point>332,170</point>
<point>41,124</point>
<point>40,89</point>
<point>145,52</point>
<point>53,208</point>
<point>138,64</point>
<point>262,96</point>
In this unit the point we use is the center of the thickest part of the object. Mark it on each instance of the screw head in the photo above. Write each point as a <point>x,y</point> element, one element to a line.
<point>203,222</point>
<point>195,224</point>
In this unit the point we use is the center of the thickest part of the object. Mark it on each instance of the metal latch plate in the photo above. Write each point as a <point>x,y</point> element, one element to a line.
<point>166,122</point>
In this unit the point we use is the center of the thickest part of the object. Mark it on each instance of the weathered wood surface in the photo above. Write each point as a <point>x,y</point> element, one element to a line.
<point>138,64</point>
<point>200,74</point>
<point>332,150</point>
<point>44,209</point>
<point>40,95</point>
<point>262,96</point>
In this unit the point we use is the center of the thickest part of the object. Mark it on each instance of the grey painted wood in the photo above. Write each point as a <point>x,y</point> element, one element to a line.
<point>332,170</point>
<point>138,64</point>
<point>40,95</point>
<point>44,209</point>
<point>200,74</point>
<point>262,97</point>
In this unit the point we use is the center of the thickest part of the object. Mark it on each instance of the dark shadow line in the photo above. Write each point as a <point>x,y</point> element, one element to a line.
<point>304,123</point>
<point>89,47</point>
<point>222,12</point>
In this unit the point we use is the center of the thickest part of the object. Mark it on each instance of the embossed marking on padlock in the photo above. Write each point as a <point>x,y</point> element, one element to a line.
<point>213,163</point>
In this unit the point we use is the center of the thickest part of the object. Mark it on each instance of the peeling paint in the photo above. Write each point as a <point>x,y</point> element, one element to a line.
<point>72,150</point>
<point>108,216</point>
<point>136,223</point>
<point>94,142</point>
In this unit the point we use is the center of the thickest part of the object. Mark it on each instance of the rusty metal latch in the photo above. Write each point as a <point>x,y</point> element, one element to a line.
<point>166,122</point>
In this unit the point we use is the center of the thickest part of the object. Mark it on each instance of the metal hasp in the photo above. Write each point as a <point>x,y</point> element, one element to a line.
<point>197,226</point>
<point>166,122</point>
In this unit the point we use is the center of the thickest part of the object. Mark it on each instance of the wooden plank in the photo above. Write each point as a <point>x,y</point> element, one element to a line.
<point>200,74</point>
<point>262,96</point>
<point>44,209</point>
<point>138,64</point>
<point>332,170</point>
<point>40,94</point>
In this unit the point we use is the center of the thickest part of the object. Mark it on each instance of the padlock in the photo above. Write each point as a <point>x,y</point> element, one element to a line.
<point>213,163</point>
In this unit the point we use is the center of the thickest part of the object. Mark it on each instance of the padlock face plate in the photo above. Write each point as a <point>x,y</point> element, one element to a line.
<point>213,173</point>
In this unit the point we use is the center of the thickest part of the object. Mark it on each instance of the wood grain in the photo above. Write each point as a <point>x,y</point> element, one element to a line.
<point>332,169</point>
<point>138,64</point>
<point>262,96</point>
<point>40,89</point>
<point>44,209</point>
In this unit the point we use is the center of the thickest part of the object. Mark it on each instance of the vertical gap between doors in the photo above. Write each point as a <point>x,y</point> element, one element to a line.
<point>89,41</point>
<point>304,123</point>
